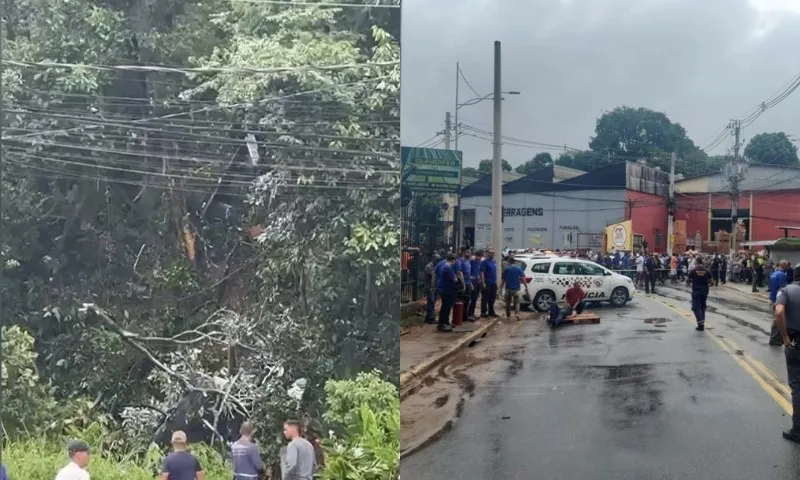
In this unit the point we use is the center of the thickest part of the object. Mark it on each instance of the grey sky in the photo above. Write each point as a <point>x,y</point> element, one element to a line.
<point>702,62</point>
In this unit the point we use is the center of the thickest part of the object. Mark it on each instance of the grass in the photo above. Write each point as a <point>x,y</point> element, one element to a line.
<point>40,459</point>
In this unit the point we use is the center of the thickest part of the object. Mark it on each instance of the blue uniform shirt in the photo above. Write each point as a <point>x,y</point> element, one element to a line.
<point>512,277</point>
<point>446,279</point>
<point>475,269</point>
<point>466,267</point>
<point>777,281</point>
<point>489,270</point>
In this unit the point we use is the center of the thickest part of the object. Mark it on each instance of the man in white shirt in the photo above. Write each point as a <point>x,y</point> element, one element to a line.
<point>79,458</point>
<point>639,270</point>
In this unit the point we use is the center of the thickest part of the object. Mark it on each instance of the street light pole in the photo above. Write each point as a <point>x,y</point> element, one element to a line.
<point>497,160</point>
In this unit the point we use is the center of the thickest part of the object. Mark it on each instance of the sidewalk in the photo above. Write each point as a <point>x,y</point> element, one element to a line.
<point>423,342</point>
<point>748,289</point>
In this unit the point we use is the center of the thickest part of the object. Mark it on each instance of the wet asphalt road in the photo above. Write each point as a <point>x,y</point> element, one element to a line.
<point>642,395</point>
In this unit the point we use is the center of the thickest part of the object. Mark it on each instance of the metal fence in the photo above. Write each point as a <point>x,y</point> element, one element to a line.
<point>423,231</point>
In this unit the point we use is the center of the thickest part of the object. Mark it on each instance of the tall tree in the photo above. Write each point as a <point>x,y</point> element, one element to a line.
<point>586,160</point>
<point>470,172</point>
<point>540,160</point>
<point>485,167</point>
<point>627,133</point>
<point>771,149</point>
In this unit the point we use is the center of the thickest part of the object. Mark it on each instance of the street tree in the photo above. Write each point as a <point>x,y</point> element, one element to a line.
<point>485,167</point>
<point>540,160</point>
<point>771,149</point>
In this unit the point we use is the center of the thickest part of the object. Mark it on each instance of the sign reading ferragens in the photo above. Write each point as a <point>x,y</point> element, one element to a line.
<point>430,169</point>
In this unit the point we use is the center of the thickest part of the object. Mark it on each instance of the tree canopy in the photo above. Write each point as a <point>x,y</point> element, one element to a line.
<point>772,149</point>
<point>485,167</point>
<point>540,160</point>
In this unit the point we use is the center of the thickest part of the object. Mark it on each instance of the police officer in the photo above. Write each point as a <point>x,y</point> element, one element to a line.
<point>700,279</point>
<point>787,319</point>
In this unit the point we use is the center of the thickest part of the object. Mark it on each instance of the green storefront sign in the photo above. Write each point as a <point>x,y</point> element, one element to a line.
<point>431,169</point>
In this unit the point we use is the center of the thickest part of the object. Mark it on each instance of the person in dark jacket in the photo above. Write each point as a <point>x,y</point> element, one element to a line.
<point>650,272</point>
<point>700,279</point>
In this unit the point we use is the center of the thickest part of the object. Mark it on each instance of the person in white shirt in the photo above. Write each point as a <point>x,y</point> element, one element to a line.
<point>639,270</point>
<point>79,458</point>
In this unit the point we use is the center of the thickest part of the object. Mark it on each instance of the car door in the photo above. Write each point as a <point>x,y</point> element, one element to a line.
<point>596,284</point>
<point>564,275</point>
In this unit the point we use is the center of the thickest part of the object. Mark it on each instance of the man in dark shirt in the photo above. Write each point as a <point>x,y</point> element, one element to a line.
<point>777,281</point>
<point>700,280</point>
<point>787,318</point>
<point>512,280</point>
<point>446,286</point>
<point>180,464</point>
<point>430,289</point>
<point>489,284</point>
<point>650,272</point>
<point>475,271</point>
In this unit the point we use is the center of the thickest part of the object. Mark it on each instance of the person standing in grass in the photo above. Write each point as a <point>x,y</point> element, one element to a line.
<point>180,464</point>
<point>78,460</point>
<point>3,473</point>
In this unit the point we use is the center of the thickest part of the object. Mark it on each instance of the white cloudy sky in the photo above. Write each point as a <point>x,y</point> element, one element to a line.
<point>702,62</point>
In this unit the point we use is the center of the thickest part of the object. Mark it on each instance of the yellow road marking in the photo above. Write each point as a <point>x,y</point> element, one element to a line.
<point>744,361</point>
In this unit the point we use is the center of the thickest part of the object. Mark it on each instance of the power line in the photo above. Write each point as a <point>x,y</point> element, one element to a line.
<point>321,4</point>
<point>197,70</point>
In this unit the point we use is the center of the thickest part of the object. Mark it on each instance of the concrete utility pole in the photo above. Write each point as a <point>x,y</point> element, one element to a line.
<point>734,176</point>
<point>671,206</point>
<point>497,162</point>
<point>447,131</point>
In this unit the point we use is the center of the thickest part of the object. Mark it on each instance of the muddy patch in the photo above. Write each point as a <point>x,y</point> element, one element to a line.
<point>657,321</point>
<point>631,394</point>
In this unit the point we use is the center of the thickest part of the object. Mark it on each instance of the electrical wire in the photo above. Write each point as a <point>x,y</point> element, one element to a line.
<point>321,4</point>
<point>197,70</point>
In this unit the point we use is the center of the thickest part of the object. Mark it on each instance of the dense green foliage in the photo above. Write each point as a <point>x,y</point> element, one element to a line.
<point>230,223</point>
<point>641,134</point>
<point>363,412</point>
<point>772,149</point>
<point>540,160</point>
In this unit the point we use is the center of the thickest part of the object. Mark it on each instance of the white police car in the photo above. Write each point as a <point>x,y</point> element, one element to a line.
<point>549,277</point>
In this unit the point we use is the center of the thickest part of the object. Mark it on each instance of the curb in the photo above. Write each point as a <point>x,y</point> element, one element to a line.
<point>420,370</point>
<point>763,296</point>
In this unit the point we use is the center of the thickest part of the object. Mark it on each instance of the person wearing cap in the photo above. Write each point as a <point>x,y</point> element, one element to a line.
<point>247,463</point>
<point>78,451</point>
<point>180,464</point>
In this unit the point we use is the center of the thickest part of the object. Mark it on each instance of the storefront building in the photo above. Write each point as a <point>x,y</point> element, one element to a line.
<point>770,199</point>
<point>574,213</point>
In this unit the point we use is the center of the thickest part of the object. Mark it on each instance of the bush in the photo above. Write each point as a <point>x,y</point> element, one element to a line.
<point>367,410</point>
<point>40,459</point>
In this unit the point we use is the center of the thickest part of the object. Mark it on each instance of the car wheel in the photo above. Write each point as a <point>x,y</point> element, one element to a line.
<point>619,297</point>
<point>543,299</point>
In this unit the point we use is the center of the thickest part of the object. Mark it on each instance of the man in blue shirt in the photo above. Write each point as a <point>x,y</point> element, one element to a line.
<point>512,280</point>
<point>430,289</point>
<point>466,272</point>
<point>446,286</point>
<point>475,271</point>
<point>777,281</point>
<point>489,285</point>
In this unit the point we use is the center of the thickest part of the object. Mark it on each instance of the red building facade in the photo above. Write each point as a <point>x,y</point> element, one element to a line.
<point>760,211</point>
<point>648,214</point>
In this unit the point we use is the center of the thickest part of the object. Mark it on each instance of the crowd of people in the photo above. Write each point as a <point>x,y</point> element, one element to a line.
<point>300,459</point>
